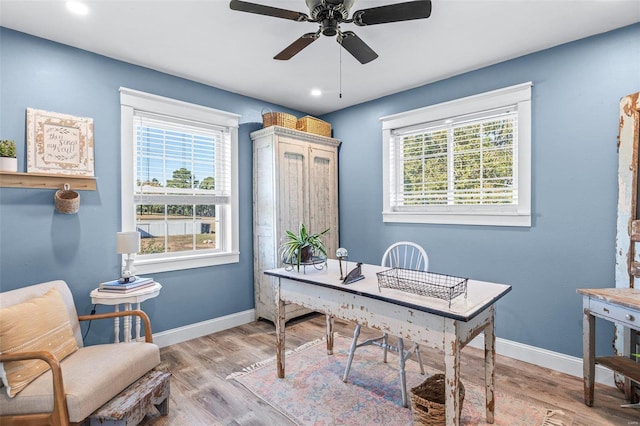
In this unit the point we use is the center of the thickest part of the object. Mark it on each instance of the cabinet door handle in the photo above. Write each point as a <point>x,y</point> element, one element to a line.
<point>629,317</point>
<point>606,310</point>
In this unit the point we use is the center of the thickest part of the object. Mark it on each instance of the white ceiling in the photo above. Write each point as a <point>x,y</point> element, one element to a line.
<point>207,42</point>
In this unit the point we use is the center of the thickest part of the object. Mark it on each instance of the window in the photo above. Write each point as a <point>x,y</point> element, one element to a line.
<point>179,182</point>
<point>461,162</point>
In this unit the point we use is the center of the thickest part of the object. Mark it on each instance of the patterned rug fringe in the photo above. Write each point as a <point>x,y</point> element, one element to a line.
<point>272,360</point>
<point>548,421</point>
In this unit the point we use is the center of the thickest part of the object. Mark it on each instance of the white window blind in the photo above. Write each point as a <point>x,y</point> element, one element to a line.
<point>180,162</point>
<point>465,160</point>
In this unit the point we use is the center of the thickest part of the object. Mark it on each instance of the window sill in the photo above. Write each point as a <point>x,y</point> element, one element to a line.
<point>522,220</point>
<point>150,266</point>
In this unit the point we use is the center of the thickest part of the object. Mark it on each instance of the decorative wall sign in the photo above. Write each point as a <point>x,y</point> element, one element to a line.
<point>59,143</point>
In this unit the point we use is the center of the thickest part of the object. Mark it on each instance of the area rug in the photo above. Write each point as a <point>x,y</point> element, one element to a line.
<point>313,393</point>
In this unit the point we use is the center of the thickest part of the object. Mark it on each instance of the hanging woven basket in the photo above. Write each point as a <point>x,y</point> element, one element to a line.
<point>66,200</point>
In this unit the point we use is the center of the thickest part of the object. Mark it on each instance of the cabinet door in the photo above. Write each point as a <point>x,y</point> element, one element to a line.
<point>293,176</point>
<point>323,199</point>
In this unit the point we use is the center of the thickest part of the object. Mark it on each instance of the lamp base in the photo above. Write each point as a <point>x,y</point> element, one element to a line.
<point>127,276</point>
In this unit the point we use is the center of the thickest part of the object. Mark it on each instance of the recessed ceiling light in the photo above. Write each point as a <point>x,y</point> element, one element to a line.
<point>77,8</point>
<point>316,92</point>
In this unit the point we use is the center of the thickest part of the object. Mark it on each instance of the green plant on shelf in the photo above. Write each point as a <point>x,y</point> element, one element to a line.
<point>7,148</point>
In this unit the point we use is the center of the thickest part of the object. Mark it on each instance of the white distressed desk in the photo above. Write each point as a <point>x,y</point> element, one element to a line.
<point>126,299</point>
<point>428,321</point>
<point>619,305</point>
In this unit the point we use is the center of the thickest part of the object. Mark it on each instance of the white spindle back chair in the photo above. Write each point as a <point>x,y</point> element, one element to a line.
<point>406,255</point>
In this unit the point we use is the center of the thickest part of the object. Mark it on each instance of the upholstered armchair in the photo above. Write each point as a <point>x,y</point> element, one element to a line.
<point>48,375</point>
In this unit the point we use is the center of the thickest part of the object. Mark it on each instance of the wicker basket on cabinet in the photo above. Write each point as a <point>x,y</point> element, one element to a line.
<point>314,125</point>
<point>279,119</point>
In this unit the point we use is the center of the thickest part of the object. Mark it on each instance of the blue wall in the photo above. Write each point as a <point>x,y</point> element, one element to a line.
<point>37,244</point>
<point>570,245</point>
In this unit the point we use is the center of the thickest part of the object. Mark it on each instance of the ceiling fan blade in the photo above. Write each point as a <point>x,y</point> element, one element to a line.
<point>259,9</point>
<point>358,48</point>
<point>406,11</point>
<point>295,47</point>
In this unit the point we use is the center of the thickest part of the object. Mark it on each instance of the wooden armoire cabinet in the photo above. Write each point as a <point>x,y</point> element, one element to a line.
<point>295,180</point>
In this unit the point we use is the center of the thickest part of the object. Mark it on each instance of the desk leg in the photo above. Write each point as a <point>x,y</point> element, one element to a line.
<point>588,352</point>
<point>452,373</point>
<point>280,323</point>
<point>489,366</point>
<point>403,373</point>
<point>330,323</point>
<point>116,326</point>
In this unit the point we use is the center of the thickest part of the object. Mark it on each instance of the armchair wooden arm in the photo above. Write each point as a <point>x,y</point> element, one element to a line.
<point>148,337</point>
<point>59,416</point>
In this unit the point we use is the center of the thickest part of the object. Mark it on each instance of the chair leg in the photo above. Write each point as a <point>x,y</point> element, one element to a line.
<point>419,359</point>
<point>352,351</point>
<point>403,376</point>
<point>384,346</point>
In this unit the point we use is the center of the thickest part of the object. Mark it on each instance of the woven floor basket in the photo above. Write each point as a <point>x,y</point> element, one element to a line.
<point>427,401</point>
<point>279,119</point>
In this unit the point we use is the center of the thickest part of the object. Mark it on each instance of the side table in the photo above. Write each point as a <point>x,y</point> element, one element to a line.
<point>126,299</point>
<point>619,305</point>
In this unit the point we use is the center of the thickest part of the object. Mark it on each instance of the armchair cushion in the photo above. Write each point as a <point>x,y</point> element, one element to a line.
<point>48,329</point>
<point>92,376</point>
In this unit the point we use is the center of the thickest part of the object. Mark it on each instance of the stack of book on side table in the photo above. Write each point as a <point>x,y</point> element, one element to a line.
<point>116,286</point>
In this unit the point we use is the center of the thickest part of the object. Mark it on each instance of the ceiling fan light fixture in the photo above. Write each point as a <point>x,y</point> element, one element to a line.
<point>329,27</point>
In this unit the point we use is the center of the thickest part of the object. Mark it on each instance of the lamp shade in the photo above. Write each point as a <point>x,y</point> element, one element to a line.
<point>128,242</point>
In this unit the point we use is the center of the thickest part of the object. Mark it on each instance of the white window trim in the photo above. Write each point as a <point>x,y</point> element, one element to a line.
<point>519,95</point>
<point>131,100</point>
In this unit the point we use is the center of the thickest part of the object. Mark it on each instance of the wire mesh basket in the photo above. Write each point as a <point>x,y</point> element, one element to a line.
<point>424,283</point>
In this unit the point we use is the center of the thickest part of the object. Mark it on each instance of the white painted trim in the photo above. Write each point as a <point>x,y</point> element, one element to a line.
<point>519,95</point>
<point>203,328</point>
<point>132,101</point>
<point>152,103</point>
<point>544,358</point>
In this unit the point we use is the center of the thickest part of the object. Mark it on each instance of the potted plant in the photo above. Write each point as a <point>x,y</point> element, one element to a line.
<point>8,160</point>
<point>301,247</point>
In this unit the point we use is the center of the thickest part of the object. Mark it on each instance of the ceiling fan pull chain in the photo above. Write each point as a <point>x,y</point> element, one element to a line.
<point>340,73</point>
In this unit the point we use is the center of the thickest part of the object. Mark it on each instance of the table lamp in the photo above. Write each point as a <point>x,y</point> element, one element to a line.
<point>128,243</point>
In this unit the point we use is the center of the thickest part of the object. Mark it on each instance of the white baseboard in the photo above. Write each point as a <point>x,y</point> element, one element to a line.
<point>203,328</point>
<point>544,358</point>
<point>531,354</point>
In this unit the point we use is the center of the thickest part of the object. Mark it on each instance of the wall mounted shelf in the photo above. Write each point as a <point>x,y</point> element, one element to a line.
<point>46,181</point>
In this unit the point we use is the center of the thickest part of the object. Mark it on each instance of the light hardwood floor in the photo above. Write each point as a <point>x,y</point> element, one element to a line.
<point>201,395</point>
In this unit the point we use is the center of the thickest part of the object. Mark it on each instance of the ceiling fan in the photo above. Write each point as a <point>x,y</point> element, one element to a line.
<point>331,13</point>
